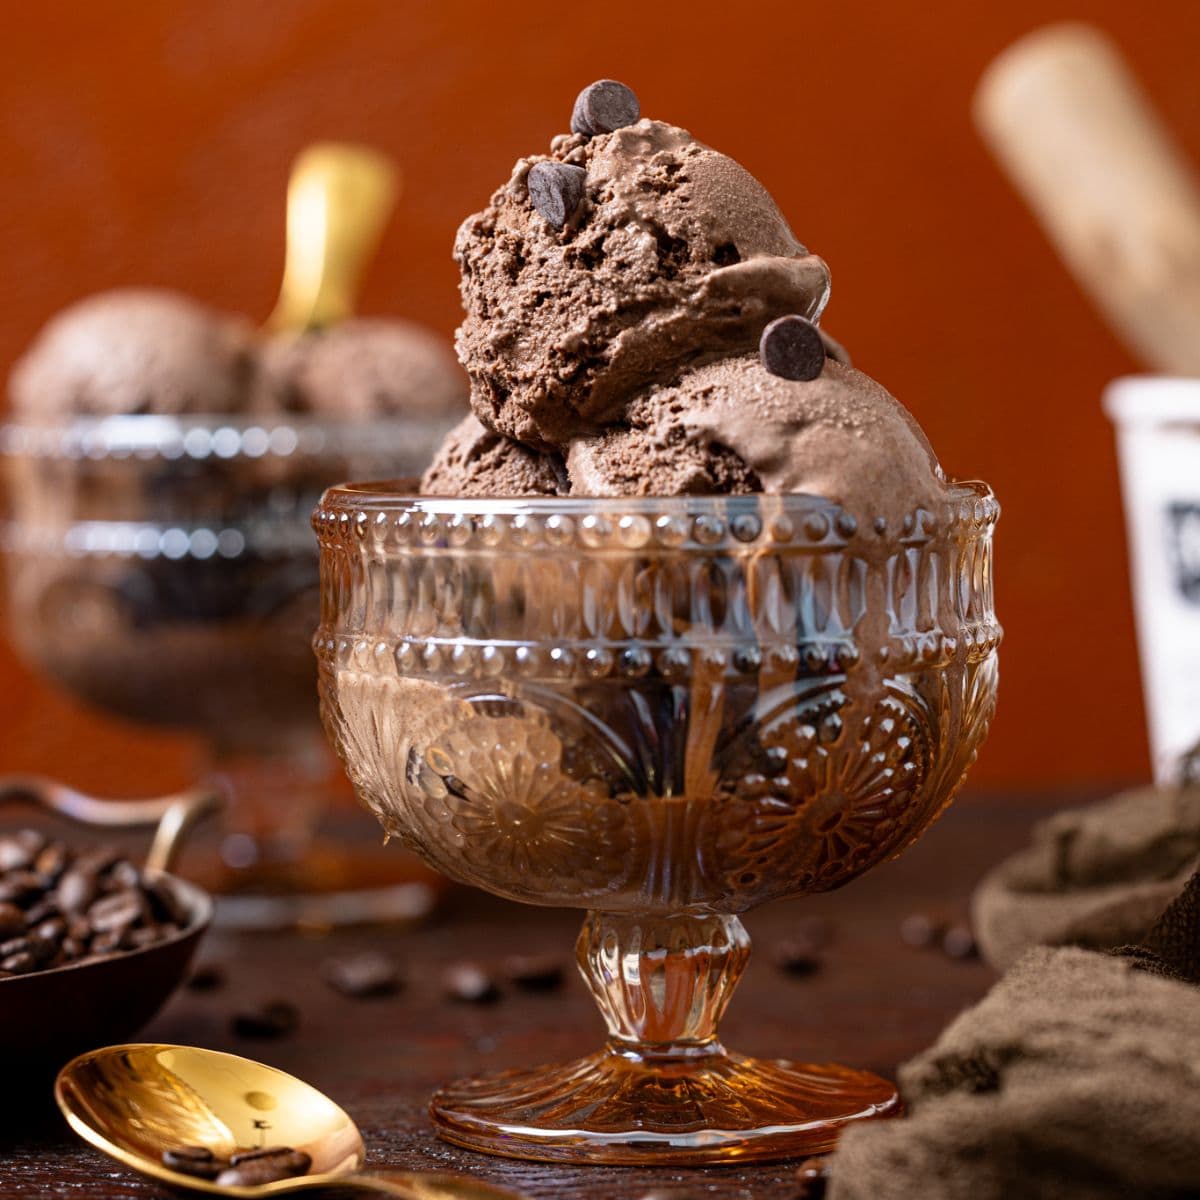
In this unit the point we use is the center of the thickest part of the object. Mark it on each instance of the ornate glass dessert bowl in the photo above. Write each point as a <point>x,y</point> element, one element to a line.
<point>162,570</point>
<point>666,712</point>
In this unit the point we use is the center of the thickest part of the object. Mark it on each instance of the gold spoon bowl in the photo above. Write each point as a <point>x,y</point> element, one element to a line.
<point>135,1102</point>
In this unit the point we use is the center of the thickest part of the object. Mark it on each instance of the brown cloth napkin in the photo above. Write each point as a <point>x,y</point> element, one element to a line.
<point>1076,1077</point>
<point>1095,877</point>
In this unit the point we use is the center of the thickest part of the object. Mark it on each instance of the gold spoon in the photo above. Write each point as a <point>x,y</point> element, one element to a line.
<point>339,199</point>
<point>134,1102</point>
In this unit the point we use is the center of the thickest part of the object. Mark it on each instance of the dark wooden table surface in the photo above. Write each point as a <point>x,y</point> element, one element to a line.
<point>873,1003</point>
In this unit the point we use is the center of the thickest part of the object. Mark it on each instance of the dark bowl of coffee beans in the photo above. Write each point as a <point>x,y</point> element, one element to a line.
<point>91,946</point>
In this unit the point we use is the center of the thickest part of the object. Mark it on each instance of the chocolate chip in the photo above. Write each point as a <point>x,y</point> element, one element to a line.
<point>273,1020</point>
<point>362,975</point>
<point>206,978</point>
<point>959,942</point>
<point>796,957</point>
<point>556,190</point>
<point>198,1161</point>
<point>604,106</point>
<point>118,911</point>
<point>470,984</point>
<point>791,348</point>
<point>533,973</point>
<point>12,920</point>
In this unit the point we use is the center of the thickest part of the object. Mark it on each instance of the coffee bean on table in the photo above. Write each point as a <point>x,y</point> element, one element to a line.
<point>362,975</point>
<point>791,348</point>
<point>470,984</point>
<point>921,930</point>
<point>795,957</point>
<point>813,1178</point>
<point>198,1161</point>
<point>534,973</point>
<point>604,106</point>
<point>206,978</point>
<point>959,942</point>
<point>556,190</point>
<point>275,1019</point>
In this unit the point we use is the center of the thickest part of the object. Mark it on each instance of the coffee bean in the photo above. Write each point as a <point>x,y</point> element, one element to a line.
<point>959,942</point>
<point>17,945</point>
<point>167,904</point>
<point>12,920</point>
<point>18,964</point>
<point>604,106</point>
<point>921,930</point>
<point>146,936</point>
<point>118,911</point>
<point>73,948</point>
<point>198,1161</point>
<point>796,957</point>
<point>791,348</point>
<point>556,190</point>
<point>14,856</point>
<point>470,984</point>
<point>52,862</point>
<point>533,973</point>
<point>123,874</point>
<point>273,1020</point>
<point>362,975</point>
<point>265,1166</point>
<point>206,978</point>
<point>20,887</point>
<point>42,910</point>
<point>109,941</point>
<point>813,1178</point>
<point>76,889</point>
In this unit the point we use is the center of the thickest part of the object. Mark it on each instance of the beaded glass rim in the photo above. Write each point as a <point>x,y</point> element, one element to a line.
<point>218,436</point>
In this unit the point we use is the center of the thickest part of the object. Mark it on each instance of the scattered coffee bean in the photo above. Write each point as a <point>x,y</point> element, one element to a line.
<point>362,975</point>
<point>791,348</point>
<point>207,977</point>
<point>12,920</point>
<point>264,1166</point>
<point>470,984</point>
<point>920,930</point>
<point>556,190</point>
<point>796,957</point>
<point>813,1178</point>
<point>959,942</point>
<point>198,1161</point>
<point>604,106</point>
<point>273,1020</point>
<point>533,973</point>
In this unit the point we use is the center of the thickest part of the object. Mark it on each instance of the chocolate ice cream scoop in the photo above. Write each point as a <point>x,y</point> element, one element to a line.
<point>136,351</point>
<point>674,254</point>
<point>476,461</point>
<point>732,426</point>
<point>360,369</point>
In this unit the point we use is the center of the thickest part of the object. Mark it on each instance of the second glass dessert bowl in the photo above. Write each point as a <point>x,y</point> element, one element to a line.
<point>666,712</point>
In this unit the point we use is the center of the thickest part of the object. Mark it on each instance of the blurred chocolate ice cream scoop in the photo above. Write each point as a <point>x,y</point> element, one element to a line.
<point>138,350</point>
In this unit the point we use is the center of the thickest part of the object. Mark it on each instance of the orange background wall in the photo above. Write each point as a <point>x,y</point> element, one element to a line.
<point>149,142</point>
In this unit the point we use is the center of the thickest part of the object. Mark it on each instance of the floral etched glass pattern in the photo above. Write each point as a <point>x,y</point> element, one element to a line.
<point>665,711</point>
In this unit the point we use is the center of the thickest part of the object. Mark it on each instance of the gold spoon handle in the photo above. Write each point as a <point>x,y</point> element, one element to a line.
<point>339,199</point>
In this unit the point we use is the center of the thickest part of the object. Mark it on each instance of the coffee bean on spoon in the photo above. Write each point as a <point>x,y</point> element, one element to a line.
<point>198,1161</point>
<point>604,106</point>
<point>556,190</point>
<point>791,348</point>
<point>264,1166</point>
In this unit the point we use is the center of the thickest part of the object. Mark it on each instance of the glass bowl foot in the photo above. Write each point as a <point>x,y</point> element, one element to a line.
<point>614,1107</point>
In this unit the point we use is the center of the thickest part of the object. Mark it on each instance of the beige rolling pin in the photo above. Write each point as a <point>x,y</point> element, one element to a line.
<point>1114,192</point>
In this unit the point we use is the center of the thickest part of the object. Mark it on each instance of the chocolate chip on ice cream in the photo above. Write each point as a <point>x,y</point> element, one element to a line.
<point>556,190</point>
<point>791,347</point>
<point>603,107</point>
